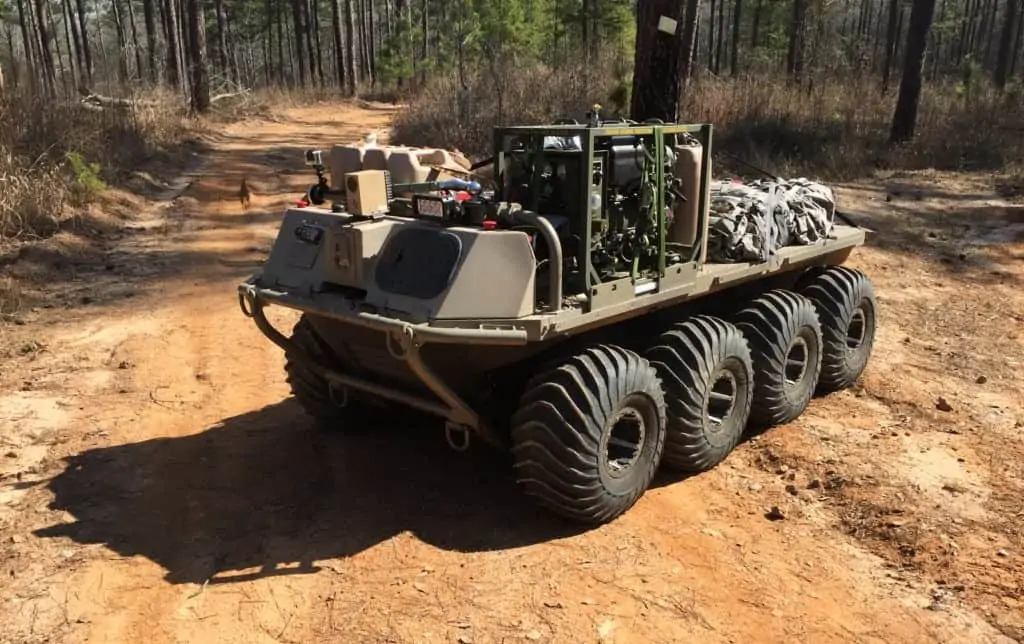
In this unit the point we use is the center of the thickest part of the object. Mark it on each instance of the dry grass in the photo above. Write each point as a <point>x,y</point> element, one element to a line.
<point>831,128</point>
<point>446,115</point>
<point>55,156</point>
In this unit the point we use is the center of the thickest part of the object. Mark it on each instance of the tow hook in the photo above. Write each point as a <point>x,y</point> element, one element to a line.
<point>457,435</point>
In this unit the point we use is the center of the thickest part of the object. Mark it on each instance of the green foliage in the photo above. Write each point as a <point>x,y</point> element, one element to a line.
<point>86,179</point>
<point>500,33</point>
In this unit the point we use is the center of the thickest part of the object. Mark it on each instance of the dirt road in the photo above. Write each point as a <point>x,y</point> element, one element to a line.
<point>157,484</point>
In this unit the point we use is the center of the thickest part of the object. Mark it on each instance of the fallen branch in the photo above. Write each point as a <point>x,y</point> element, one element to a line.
<point>91,97</point>
<point>221,97</point>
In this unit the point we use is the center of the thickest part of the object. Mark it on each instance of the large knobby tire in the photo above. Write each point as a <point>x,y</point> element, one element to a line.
<point>845,301</point>
<point>330,407</point>
<point>588,434</point>
<point>785,339</point>
<point>706,371</point>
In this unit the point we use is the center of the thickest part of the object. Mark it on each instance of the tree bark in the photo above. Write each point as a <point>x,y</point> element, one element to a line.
<point>1006,44</point>
<point>151,46</point>
<point>797,27</point>
<point>425,28</point>
<point>656,73</point>
<point>890,43</point>
<point>735,56</point>
<point>44,42</point>
<point>350,46</point>
<point>307,37</point>
<point>904,118</point>
<point>339,57</point>
<point>711,36</point>
<point>71,28</point>
<point>316,47</point>
<point>222,39</point>
<point>66,19</point>
<point>198,72</point>
<point>757,24</point>
<point>86,49</point>
<point>372,47</point>
<point>167,15</point>
<point>1017,43</point>
<point>15,77</point>
<point>135,38</point>
<point>26,43</point>
<point>690,42</point>
<point>122,42</point>
<point>299,39</point>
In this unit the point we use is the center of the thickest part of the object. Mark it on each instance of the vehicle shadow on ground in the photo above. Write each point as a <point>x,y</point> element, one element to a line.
<point>265,490</point>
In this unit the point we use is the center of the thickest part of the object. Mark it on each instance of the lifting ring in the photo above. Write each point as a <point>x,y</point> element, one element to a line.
<point>331,393</point>
<point>247,311</point>
<point>397,354</point>
<point>451,430</point>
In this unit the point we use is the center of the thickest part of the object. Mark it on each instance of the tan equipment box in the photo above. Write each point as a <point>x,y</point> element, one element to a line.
<point>367,192</point>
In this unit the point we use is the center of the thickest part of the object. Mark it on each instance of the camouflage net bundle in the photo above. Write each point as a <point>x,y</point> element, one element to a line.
<point>750,221</point>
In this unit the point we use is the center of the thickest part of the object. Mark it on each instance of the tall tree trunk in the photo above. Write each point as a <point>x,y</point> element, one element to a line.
<point>425,28</point>
<point>372,45</point>
<point>222,40</point>
<point>67,41</point>
<point>938,39</point>
<point>135,38</point>
<point>720,37</point>
<point>86,49</point>
<point>169,20</point>
<point>1017,43</point>
<point>284,70</point>
<point>60,56</point>
<point>242,76</point>
<point>350,46</point>
<point>735,56</point>
<point>122,42</point>
<point>364,50</point>
<point>339,57</point>
<point>15,76</point>
<point>904,118</point>
<point>711,36</point>
<point>757,24</point>
<point>46,55</point>
<point>307,36</point>
<point>71,25</point>
<point>797,28</point>
<point>1006,44</point>
<point>656,77</point>
<point>26,43</point>
<point>149,17</point>
<point>186,44</point>
<point>890,43</point>
<point>198,72</point>
<point>316,47</point>
<point>690,42</point>
<point>299,40</point>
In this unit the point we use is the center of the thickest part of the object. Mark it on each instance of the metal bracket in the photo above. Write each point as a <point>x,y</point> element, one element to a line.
<point>449,406</point>
<point>453,430</point>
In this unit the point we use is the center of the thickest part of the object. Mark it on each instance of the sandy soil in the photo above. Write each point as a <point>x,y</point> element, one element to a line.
<point>157,484</point>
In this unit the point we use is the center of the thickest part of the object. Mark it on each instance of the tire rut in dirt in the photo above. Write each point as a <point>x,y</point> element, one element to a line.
<point>845,301</point>
<point>313,392</point>
<point>785,339</point>
<point>603,403</point>
<point>706,371</point>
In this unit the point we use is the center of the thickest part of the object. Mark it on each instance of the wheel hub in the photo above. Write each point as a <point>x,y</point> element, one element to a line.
<point>625,441</point>
<point>721,399</point>
<point>856,330</point>
<point>796,362</point>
